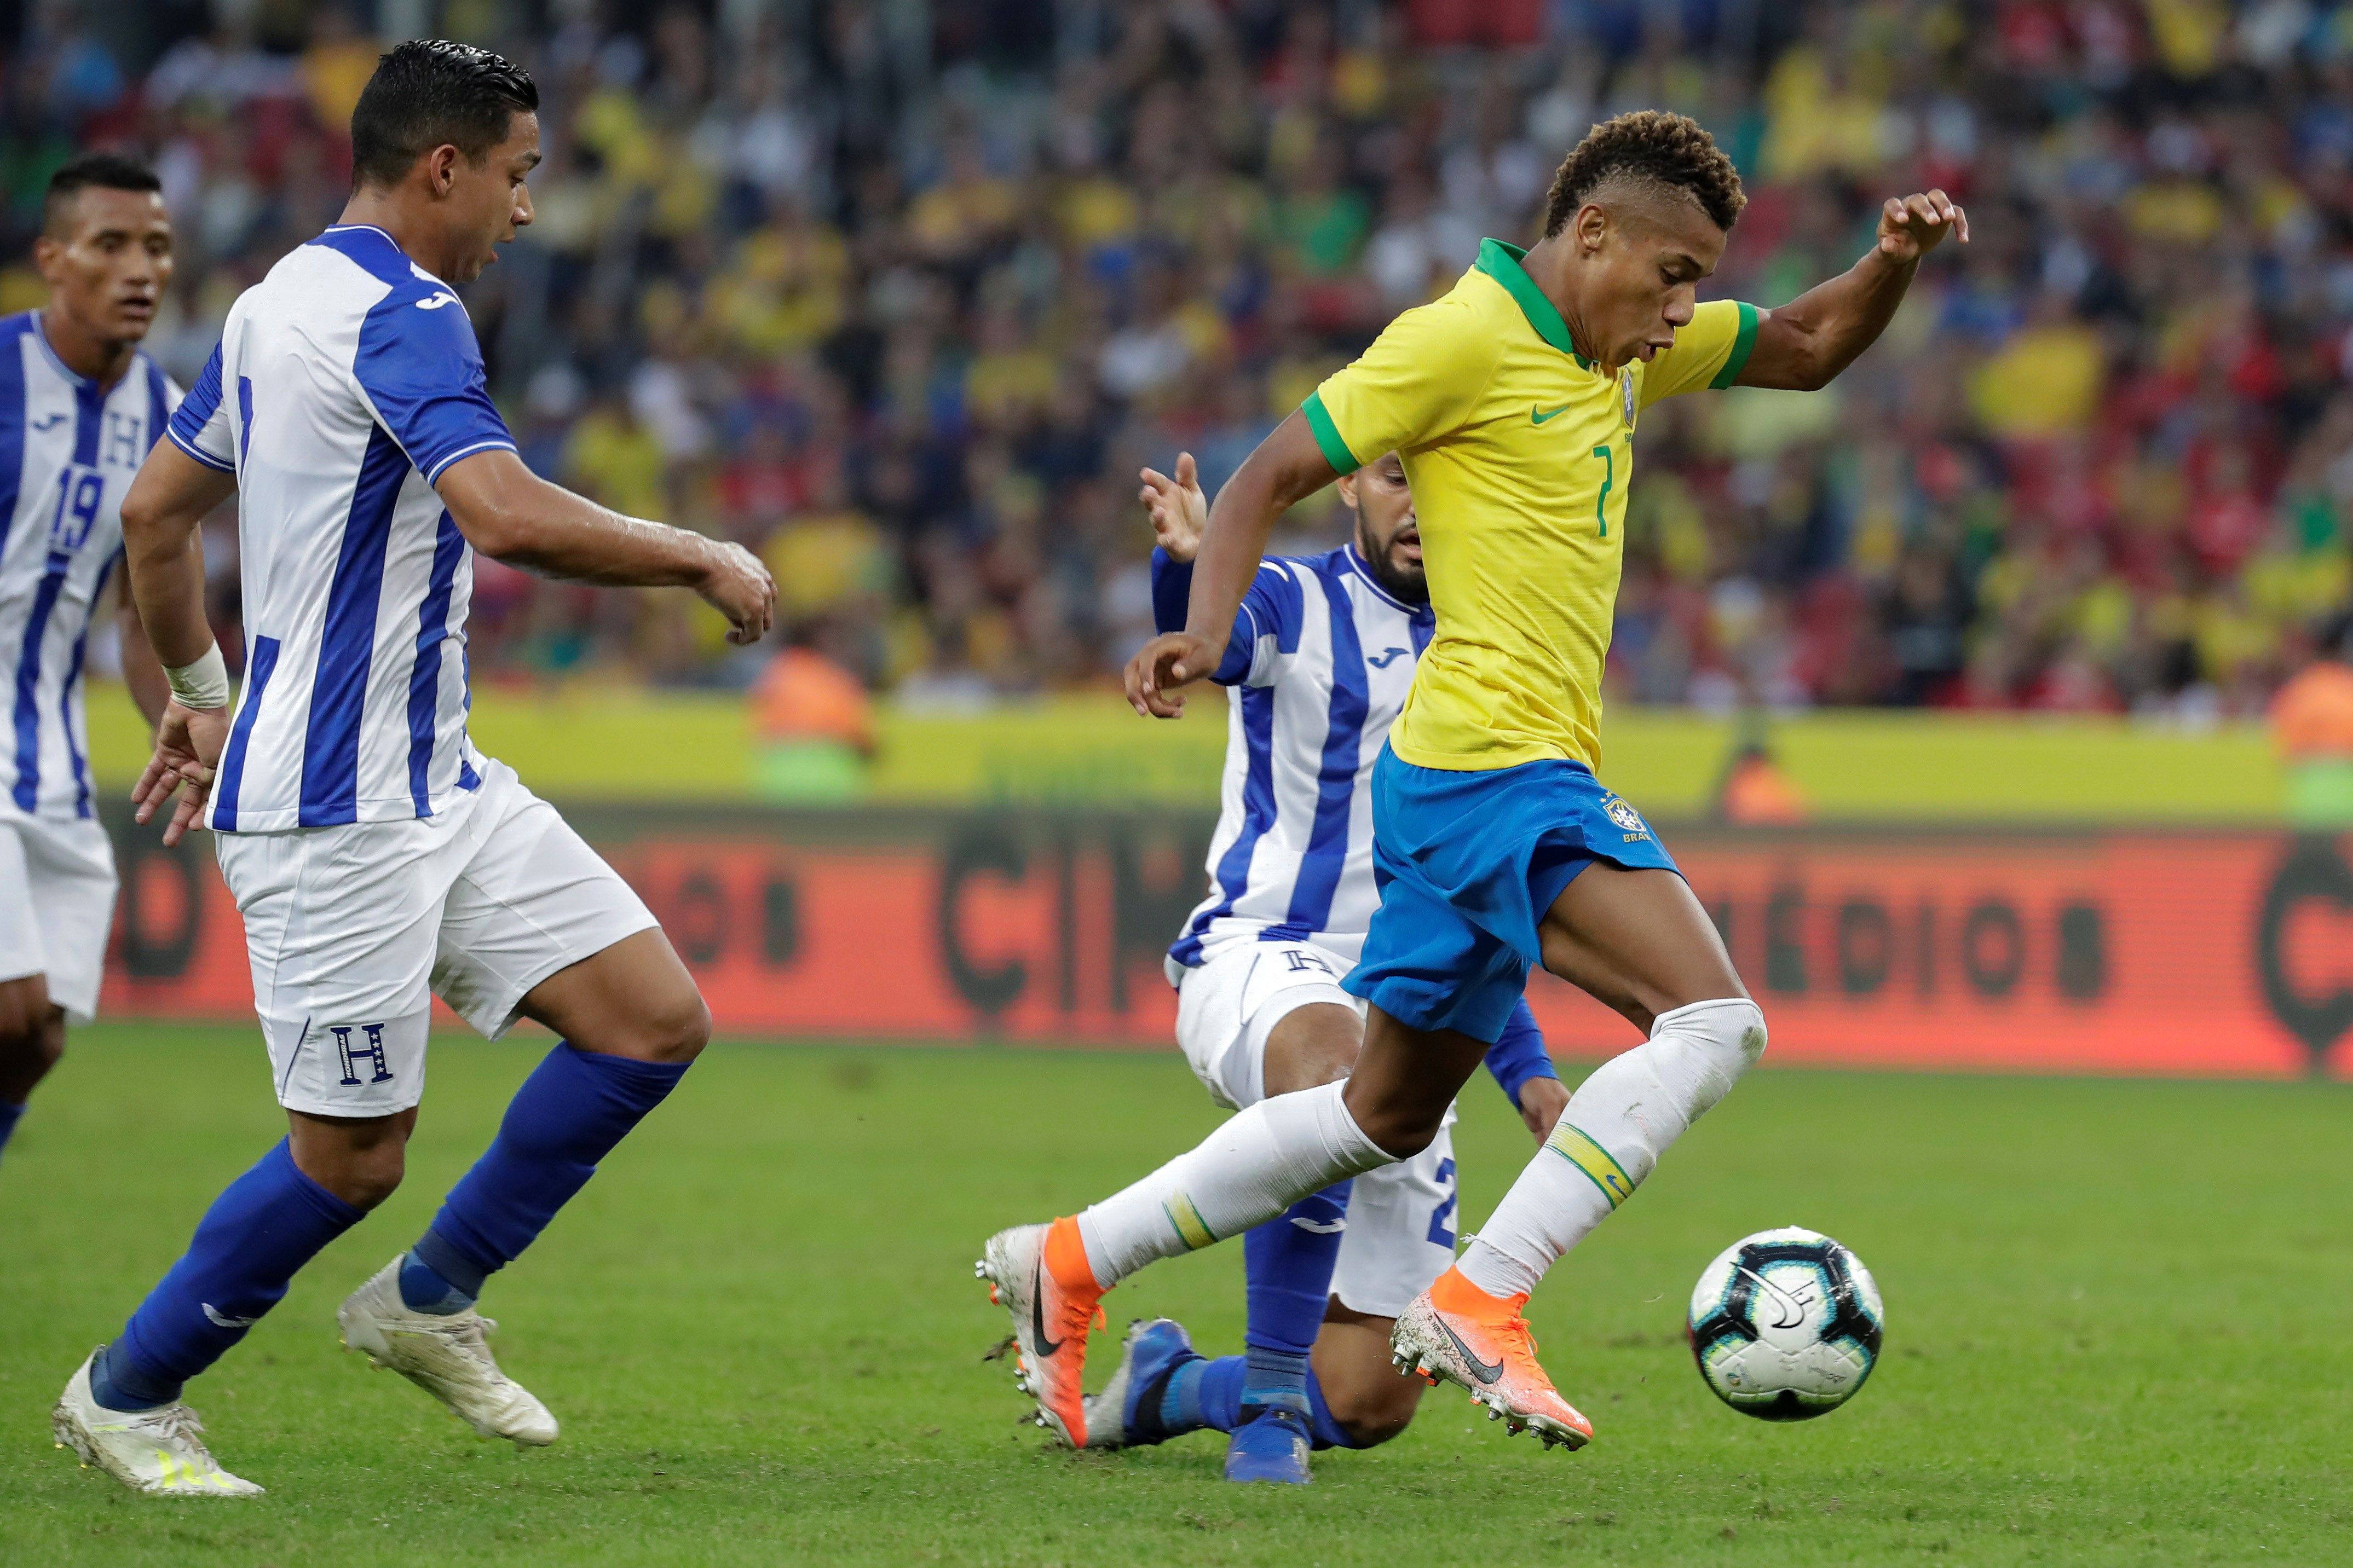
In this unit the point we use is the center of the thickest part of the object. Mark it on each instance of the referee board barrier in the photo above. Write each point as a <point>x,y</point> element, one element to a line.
<point>2081,951</point>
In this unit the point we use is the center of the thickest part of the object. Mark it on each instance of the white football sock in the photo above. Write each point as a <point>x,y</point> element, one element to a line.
<point>1260,1163</point>
<point>1617,1125</point>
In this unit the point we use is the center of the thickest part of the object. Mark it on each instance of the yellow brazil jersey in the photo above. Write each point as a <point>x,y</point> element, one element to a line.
<point>1518,452</point>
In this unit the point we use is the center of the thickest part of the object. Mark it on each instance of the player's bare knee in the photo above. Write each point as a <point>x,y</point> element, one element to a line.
<point>676,1029</point>
<point>1373,1409</point>
<point>371,1177</point>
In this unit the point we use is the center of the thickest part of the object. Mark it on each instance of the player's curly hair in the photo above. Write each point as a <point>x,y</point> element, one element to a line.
<point>1652,146</point>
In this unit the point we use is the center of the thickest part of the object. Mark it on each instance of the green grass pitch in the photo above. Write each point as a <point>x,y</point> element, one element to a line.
<point>2118,1321</point>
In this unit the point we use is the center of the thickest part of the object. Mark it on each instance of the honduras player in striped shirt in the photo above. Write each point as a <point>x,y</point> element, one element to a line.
<point>80,406</point>
<point>1513,400</point>
<point>1320,661</point>
<point>377,858</point>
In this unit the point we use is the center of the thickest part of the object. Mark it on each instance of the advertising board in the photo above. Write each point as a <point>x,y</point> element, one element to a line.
<point>2132,952</point>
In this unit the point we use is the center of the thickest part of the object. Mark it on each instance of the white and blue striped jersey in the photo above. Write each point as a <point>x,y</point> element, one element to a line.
<point>345,382</point>
<point>1320,662</point>
<point>69,449</point>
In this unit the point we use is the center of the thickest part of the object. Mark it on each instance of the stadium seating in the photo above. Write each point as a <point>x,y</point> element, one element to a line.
<point>904,298</point>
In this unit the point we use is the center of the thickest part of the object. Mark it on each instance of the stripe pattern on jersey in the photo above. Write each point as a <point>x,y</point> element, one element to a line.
<point>68,450</point>
<point>346,382</point>
<point>1321,660</point>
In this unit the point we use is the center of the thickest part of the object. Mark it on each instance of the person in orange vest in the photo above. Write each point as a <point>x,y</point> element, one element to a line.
<point>815,724</point>
<point>2312,722</point>
<point>1754,791</point>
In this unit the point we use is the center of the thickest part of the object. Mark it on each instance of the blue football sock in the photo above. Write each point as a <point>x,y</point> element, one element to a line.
<point>11,1113</point>
<point>425,1289</point>
<point>267,1225</point>
<point>1326,1432</point>
<point>1288,1262</point>
<point>567,1116</point>
<point>1180,1398</point>
<point>1209,1393</point>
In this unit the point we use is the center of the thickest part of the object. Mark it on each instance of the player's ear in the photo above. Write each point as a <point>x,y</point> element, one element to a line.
<point>48,257</point>
<point>1592,226</point>
<point>441,168</point>
<point>1346,485</point>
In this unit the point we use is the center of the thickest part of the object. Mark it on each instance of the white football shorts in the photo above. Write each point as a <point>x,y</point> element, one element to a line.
<point>1402,1217</point>
<point>57,906</point>
<point>354,930</point>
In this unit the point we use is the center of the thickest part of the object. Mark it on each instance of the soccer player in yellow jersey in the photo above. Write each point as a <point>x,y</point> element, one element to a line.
<point>1513,400</point>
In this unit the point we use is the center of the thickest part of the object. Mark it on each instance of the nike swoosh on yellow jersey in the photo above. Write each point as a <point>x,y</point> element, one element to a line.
<point>1540,415</point>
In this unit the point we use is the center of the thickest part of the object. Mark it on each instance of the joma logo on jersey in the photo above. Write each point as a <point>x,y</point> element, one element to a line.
<point>436,301</point>
<point>371,1051</point>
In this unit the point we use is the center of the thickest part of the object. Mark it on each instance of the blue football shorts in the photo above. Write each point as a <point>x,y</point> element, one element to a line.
<point>1467,864</point>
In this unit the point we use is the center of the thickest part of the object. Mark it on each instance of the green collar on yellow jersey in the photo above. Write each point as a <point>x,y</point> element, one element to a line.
<point>1502,262</point>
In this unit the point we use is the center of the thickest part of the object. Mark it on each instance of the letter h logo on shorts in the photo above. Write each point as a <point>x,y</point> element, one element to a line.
<point>371,1052</point>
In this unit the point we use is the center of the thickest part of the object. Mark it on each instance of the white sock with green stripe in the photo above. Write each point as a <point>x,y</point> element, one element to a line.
<point>1254,1166</point>
<point>1617,1125</point>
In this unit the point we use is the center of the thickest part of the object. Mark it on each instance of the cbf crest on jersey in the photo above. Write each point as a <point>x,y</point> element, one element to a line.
<point>1626,396</point>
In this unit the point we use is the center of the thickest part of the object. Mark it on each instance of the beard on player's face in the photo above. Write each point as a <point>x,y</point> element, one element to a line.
<point>1392,551</point>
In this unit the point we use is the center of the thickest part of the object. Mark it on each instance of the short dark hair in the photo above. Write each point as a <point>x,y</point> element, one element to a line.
<point>428,92</point>
<point>1652,147</point>
<point>85,171</point>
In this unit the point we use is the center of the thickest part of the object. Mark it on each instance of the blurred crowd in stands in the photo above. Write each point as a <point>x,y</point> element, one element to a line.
<point>901,295</point>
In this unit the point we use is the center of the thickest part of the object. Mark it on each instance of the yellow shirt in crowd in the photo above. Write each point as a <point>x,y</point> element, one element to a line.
<point>1518,452</point>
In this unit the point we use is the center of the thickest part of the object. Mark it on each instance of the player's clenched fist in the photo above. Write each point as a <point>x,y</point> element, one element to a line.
<point>740,586</point>
<point>1911,227</point>
<point>1168,661</point>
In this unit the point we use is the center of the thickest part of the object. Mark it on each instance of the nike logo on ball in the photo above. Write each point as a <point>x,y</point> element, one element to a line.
<point>1486,1371</point>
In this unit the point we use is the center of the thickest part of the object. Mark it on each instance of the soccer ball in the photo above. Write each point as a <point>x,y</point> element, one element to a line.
<point>1784,1324</point>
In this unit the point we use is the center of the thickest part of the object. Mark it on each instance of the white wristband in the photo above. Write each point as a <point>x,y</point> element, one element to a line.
<point>203,684</point>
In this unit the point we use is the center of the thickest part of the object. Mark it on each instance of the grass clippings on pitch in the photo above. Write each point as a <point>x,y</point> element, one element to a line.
<point>2116,1333</point>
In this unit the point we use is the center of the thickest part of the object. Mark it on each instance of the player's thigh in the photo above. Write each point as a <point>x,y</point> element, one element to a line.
<point>1405,1078</point>
<point>1255,1018</point>
<point>69,881</point>
<point>340,925</point>
<point>538,926</point>
<point>1637,940</point>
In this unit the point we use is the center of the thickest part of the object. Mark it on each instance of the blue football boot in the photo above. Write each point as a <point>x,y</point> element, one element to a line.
<point>1126,1413</point>
<point>1270,1444</point>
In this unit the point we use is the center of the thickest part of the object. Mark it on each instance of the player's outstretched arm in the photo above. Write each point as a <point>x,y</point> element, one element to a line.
<point>511,515</point>
<point>1287,468</point>
<point>1804,344</point>
<point>164,558</point>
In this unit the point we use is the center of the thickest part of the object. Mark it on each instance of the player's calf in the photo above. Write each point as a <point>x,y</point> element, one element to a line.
<point>1359,1395</point>
<point>32,1040</point>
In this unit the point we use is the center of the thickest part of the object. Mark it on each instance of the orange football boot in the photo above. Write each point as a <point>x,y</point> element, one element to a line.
<point>1457,1331</point>
<point>1039,1274</point>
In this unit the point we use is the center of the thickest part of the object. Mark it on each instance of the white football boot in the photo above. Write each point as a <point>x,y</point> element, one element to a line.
<point>156,1452</point>
<point>446,1354</point>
